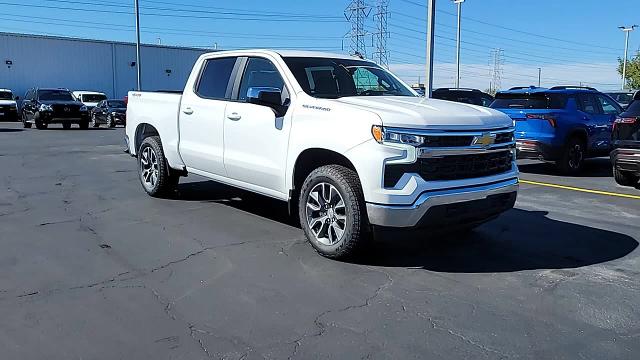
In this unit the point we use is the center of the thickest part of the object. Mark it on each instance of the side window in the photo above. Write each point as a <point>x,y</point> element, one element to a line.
<point>587,103</point>
<point>215,78</point>
<point>608,107</point>
<point>260,73</point>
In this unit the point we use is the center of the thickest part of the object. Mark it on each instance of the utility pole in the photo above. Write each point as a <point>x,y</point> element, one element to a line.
<point>431,22</point>
<point>139,81</point>
<point>496,60</point>
<point>459,3</point>
<point>626,31</point>
<point>381,55</point>
<point>539,76</point>
<point>356,13</point>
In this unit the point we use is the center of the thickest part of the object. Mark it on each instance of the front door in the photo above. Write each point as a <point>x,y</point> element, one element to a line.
<point>256,141</point>
<point>201,117</point>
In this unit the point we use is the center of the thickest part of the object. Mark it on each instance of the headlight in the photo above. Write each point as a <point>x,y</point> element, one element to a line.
<point>383,135</point>
<point>83,108</point>
<point>45,107</point>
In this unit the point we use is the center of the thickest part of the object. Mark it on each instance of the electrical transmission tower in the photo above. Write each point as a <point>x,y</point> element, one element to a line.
<point>356,13</point>
<point>496,62</point>
<point>381,55</point>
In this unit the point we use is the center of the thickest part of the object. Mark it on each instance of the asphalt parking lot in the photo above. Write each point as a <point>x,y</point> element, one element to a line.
<point>93,268</point>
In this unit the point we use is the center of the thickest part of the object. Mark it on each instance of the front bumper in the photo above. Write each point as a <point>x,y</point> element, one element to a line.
<point>626,159</point>
<point>49,118</point>
<point>465,205</point>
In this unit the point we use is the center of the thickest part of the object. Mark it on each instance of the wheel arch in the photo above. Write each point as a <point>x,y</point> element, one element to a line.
<point>143,131</point>
<point>580,133</point>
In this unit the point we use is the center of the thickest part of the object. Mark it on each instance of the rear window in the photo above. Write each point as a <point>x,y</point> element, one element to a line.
<point>215,78</point>
<point>529,101</point>
<point>622,98</point>
<point>633,109</point>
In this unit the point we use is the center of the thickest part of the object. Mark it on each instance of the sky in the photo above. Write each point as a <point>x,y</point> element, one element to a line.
<point>573,42</point>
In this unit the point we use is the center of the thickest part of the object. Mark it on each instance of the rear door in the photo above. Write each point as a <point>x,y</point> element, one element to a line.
<point>610,111</point>
<point>201,115</point>
<point>597,122</point>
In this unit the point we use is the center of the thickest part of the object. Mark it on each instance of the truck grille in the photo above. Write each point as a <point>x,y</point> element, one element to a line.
<point>456,156</point>
<point>465,166</point>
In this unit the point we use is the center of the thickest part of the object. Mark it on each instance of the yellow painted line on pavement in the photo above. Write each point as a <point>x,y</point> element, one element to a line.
<point>637,197</point>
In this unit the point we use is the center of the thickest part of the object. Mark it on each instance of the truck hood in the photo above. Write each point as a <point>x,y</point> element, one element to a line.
<point>7,102</point>
<point>423,113</point>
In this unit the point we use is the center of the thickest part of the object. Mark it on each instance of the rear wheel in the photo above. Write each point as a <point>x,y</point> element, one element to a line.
<point>572,159</point>
<point>625,178</point>
<point>153,170</point>
<point>40,125</point>
<point>110,121</point>
<point>25,123</point>
<point>94,122</point>
<point>332,211</point>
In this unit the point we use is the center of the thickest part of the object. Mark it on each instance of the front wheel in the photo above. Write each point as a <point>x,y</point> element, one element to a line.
<point>94,122</point>
<point>332,211</point>
<point>625,178</point>
<point>111,123</point>
<point>25,123</point>
<point>153,170</point>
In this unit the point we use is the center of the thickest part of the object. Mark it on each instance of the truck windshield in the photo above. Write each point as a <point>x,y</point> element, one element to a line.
<point>93,98</point>
<point>6,95</point>
<point>55,95</point>
<point>529,101</point>
<point>335,78</point>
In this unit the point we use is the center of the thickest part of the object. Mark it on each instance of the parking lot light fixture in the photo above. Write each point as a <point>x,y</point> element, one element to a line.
<point>459,3</point>
<point>626,30</point>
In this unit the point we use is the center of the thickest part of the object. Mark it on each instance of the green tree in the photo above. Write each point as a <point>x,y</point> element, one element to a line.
<point>633,71</point>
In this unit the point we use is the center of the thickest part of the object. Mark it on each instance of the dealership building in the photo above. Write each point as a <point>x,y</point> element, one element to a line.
<point>28,61</point>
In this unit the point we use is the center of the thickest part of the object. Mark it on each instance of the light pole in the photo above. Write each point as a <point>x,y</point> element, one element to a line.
<point>137,10</point>
<point>431,22</point>
<point>539,76</point>
<point>626,31</point>
<point>459,3</point>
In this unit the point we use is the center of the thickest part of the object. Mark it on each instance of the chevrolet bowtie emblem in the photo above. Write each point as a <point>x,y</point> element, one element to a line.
<point>485,140</point>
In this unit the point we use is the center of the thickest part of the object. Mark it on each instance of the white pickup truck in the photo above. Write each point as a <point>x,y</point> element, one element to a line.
<point>344,141</point>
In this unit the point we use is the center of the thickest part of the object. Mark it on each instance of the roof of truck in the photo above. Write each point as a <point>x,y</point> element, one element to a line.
<point>82,92</point>
<point>8,90</point>
<point>289,53</point>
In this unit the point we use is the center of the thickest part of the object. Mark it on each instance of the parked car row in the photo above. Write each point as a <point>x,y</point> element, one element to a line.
<point>44,106</point>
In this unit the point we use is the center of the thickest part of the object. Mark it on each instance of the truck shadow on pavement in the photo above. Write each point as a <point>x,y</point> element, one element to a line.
<point>598,167</point>
<point>517,240</point>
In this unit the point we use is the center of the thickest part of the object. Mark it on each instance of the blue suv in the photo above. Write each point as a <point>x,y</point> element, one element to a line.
<point>563,124</point>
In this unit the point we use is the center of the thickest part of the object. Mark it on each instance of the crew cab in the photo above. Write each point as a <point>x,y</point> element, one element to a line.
<point>563,124</point>
<point>8,106</point>
<point>43,106</point>
<point>625,156</point>
<point>346,143</point>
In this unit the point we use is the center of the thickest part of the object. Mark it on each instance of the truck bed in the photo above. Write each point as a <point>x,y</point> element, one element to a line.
<point>159,110</point>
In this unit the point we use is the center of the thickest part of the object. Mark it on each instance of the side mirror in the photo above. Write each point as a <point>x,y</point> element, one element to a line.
<point>267,96</point>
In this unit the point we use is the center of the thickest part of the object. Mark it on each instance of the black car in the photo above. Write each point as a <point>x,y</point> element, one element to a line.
<point>626,143</point>
<point>461,95</point>
<point>624,98</point>
<point>110,112</point>
<point>53,106</point>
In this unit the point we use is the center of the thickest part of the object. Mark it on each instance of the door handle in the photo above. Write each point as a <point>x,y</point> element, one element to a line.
<point>188,111</point>
<point>234,116</point>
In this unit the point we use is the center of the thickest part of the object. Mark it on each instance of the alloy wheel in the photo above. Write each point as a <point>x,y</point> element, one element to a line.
<point>575,156</point>
<point>149,167</point>
<point>326,214</point>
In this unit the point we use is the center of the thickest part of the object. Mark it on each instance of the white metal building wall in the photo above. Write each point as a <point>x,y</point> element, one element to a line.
<point>39,61</point>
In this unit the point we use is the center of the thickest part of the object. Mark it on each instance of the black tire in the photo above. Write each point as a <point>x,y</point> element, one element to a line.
<point>110,121</point>
<point>356,227</point>
<point>165,181</point>
<point>625,178</point>
<point>94,122</point>
<point>41,125</point>
<point>66,126</point>
<point>25,124</point>
<point>84,125</point>
<point>573,156</point>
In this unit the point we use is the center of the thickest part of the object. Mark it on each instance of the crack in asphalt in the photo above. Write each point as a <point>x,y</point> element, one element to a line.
<point>486,349</point>
<point>322,327</point>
